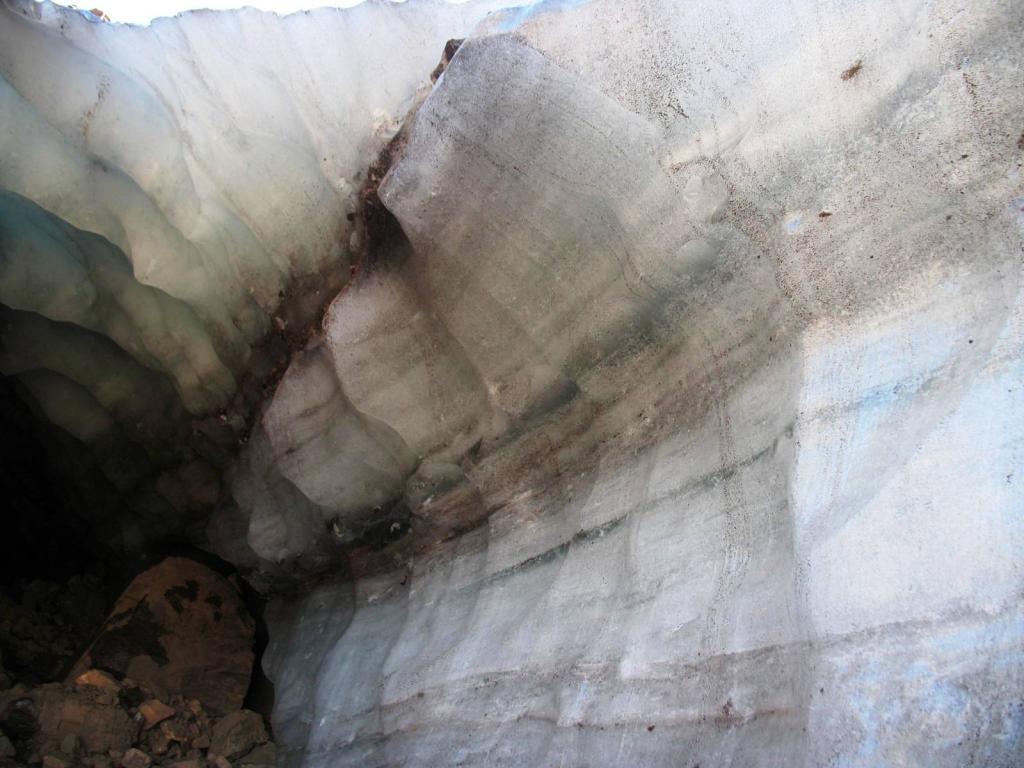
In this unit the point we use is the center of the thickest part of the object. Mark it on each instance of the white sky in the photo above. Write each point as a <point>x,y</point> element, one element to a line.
<point>144,11</point>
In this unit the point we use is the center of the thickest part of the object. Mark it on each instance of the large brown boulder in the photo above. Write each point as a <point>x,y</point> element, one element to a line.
<point>179,627</point>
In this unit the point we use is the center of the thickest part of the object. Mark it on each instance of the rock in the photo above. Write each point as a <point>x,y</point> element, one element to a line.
<point>157,742</point>
<point>237,733</point>
<point>178,730</point>
<point>176,752</point>
<point>191,763</point>
<point>98,761</point>
<point>220,762</point>
<point>96,678</point>
<point>154,711</point>
<point>55,761</point>
<point>6,747</point>
<point>201,742</point>
<point>135,758</point>
<point>179,627</point>
<point>78,711</point>
<point>70,744</point>
<point>265,755</point>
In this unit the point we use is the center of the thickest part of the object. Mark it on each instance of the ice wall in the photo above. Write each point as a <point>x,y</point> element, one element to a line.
<point>678,423</point>
<point>740,290</point>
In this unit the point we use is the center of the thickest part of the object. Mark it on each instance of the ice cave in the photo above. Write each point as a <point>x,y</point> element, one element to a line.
<point>575,384</point>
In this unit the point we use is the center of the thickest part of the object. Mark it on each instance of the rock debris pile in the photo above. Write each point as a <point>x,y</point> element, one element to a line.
<point>99,722</point>
<point>162,683</point>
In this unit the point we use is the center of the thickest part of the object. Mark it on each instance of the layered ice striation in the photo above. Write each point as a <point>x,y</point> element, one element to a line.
<point>674,418</point>
<point>744,424</point>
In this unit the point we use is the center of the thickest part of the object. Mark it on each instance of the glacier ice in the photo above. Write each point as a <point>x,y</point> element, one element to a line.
<point>677,419</point>
<point>180,201</point>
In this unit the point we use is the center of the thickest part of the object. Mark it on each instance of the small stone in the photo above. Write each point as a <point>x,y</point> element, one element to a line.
<point>70,744</point>
<point>155,691</point>
<point>158,742</point>
<point>98,761</point>
<point>237,733</point>
<point>95,678</point>
<point>154,711</point>
<point>219,761</point>
<point>201,742</point>
<point>135,758</point>
<point>6,747</point>
<point>176,730</point>
<point>186,764</point>
<point>264,756</point>
<point>54,761</point>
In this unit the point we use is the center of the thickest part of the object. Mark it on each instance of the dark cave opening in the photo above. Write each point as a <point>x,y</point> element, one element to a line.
<point>65,559</point>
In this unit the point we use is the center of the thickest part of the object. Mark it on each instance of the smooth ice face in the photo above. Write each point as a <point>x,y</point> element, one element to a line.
<point>590,241</point>
<point>677,418</point>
